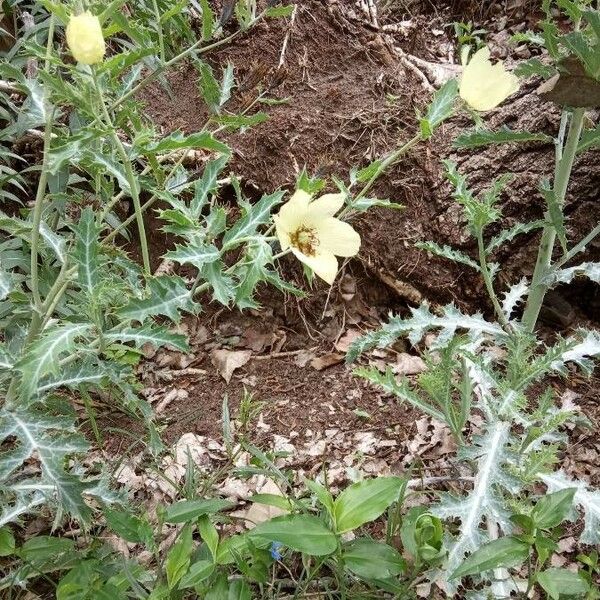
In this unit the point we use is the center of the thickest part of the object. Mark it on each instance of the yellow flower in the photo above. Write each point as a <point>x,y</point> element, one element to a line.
<point>84,38</point>
<point>483,85</point>
<point>309,229</point>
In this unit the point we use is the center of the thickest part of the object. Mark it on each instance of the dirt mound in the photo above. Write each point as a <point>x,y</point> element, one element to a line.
<point>348,97</point>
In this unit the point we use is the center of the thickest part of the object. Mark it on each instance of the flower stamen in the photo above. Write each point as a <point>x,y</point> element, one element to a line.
<point>306,240</point>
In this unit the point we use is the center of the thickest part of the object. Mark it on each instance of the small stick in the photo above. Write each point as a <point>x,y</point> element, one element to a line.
<point>287,38</point>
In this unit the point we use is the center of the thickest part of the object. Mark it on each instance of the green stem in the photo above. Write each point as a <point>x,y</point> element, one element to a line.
<point>194,47</point>
<point>129,174</point>
<point>41,189</point>
<point>161,39</point>
<point>544,259</point>
<point>487,278</point>
<point>388,162</point>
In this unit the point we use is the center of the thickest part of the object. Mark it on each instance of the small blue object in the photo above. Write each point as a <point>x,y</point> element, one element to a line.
<point>275,546</point>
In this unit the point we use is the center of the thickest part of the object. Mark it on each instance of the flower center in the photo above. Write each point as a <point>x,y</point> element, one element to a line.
<point>306,240</point>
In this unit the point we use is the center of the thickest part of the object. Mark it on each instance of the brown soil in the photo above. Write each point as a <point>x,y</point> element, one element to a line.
<point>349,100</point>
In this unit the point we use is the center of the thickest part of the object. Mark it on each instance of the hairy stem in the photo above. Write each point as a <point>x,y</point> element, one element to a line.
<point>129,174</point>
<point>487,278</point>
<point>544,259</point>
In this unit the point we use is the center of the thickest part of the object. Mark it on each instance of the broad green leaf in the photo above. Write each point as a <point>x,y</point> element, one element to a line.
<point>562,583</point>
<point>209,534</point>
<point>440,108</point>
<point>128,526</point>
<point>373,560</point>
<point>364,501</point>
<point>239,590</point>
<point>167,295</point>
<point>484,137</point>
<point>156,335</point>
<point>586,499</point>
<point>198,572</point>
<point>272,500</point>
<point>553,509</point>
<point>7,542</point>
<point>43,357</point>
<point>303,533</point>
<point>177,140</point>
<point>44,547</point>
<point>86,250</point>
<point>186,511</point>
<point>73,376</point>
<point>178,557</point>
<point>504,552</point>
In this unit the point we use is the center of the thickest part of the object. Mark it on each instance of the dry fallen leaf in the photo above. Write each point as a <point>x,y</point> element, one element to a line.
<point>227,361</point>
<point>407,364</point>
<point>258,513</point>
<point>343,344</point>
<point>327,360</point>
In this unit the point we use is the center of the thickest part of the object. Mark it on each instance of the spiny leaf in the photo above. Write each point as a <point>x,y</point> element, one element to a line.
<point>207,184</point>
<point>401,389</point>
<point>73,376</point>
<point>177,140</point>
<point>419,323</point>
<point>514,296</point>
<point>591,270</point>
<point>581,349</point>
<point>86,249</point>
<point>506,235</point>
<point>484,137</point>
<point>194,254</point>
<point>51,440</point>
<point>590,138</point>
<point>448,252</point>
<point>440,108</point>
<point>149,334</point>
<point>253,216</point>
<point>484,500</point>
<point>166,295</point>
<point>43,357</point>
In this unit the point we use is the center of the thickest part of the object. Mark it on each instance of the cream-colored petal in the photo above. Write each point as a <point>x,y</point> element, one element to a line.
<point>324,264</point>
<point>325,206</point>
<point>338,237</point>
<point>483,85</point>
<point>282,234</point>
<point>292,214</point>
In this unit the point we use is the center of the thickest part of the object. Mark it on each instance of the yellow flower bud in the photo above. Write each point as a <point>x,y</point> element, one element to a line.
<point>84,38</point>
<point>483,85</point>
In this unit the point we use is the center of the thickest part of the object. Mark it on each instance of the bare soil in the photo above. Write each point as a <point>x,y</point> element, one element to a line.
<point>347,98</point>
